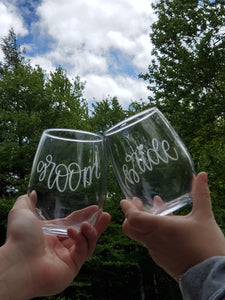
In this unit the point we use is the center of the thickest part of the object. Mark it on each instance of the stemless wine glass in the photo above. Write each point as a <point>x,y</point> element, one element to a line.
<point>69,177</point>
<point>149,159</point>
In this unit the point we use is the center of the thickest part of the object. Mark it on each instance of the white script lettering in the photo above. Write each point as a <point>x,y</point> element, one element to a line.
<point>64,176</point>
<point>144,159</point>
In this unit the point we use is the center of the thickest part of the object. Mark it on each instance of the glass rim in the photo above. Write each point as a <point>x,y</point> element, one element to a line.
<point>123,124</point>
<point>52,132</point>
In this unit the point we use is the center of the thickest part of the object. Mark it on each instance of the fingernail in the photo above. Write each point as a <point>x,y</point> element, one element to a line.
<point>204,177</point>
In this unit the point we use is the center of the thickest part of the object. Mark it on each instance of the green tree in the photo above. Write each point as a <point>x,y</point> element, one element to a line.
<point>66,106</point>
<point>21,93</point>
<point>106,113</point>
<point>138,106</point>
<point>31,101</point>
<point>187,81</point>
<point>13,56</point>
<point>186,76</point>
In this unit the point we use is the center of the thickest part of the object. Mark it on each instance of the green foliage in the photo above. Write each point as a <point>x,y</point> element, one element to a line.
<point>138,106</point>
<point>31,101</point>
<point>187,73</point>
<point>187,81</point>
<point>12,53</point>
<point>106,113</point>
<point>66,106</point>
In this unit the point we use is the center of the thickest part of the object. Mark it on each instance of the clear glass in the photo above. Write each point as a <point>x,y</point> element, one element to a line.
<point>149,159</point>
<point>69,176</point>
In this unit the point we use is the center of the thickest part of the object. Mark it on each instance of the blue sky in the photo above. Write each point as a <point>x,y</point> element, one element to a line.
<point>105,42</point>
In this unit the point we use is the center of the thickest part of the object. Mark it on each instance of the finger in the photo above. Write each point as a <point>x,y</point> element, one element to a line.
<point>79,238</point>
<point>126,205</point>
<point>126,228</point>
<point>73,233</point>
<point>157,203</point>
<point>130,210</point>
<point>26,201</point>
<point>136,233</point>
<point>102,223</point>
<point>33,200</point>
<point>91,237</point>
<point>139,220</point>
<point>201,195</point>
<point>137,203</point>
<point>79,248</point>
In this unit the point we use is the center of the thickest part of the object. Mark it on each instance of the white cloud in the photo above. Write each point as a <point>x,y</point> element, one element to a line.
<point>9,17</point>
<point>96,25</point>
<point>44,62</point>
<point>84,33</point>
<point>124,88</point>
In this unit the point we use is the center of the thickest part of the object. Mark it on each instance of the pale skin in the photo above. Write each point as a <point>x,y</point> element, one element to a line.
<point>35,264</point>
<point>176,243</point>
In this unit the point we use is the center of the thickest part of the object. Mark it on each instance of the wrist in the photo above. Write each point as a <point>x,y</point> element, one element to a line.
<point>15,282</point>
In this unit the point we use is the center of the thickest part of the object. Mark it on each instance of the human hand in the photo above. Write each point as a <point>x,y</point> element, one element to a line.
<point>176,243</point>
<point>43,264</point>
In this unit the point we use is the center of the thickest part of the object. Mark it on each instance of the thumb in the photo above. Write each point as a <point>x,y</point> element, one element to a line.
<point>126,206</point>
<point>201,195</point>
<point>33,200</point>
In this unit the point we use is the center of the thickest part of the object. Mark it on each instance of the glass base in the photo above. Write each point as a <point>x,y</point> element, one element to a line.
<point>59,227</point>
<point>60,231</point>
<point>169,207</point>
